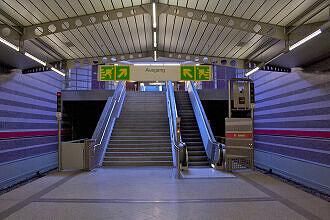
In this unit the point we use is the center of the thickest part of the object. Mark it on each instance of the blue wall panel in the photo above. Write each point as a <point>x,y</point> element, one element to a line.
<point>28,124</point>
<point>292,123</point>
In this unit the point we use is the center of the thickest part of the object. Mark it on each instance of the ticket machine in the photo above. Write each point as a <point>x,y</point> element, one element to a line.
<point>239,125</point>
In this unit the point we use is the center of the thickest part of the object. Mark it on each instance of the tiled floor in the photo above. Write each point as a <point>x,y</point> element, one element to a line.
<point>154,193</point>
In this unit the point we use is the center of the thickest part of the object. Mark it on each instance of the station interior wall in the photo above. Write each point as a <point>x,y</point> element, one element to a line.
<point>292,119</point>
<point>28,124</point>
<point>297,102</point>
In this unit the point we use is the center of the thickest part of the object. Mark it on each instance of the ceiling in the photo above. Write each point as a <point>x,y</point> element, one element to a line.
<point>58,30</point>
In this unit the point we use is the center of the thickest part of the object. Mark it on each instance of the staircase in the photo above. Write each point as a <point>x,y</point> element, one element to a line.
<point>141,134</point>
<point>189,130</point>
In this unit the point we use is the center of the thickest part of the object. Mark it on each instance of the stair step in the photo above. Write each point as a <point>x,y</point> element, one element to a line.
<point>139,149</point>
<point>138,138</point>
<point>190,135</point>
<point>197,158</point>
<point>196,148</point>
<point>139,158</point>
<point>131,144</point>
<point>133,153</point>
<point>194,143</point>
<point>197,153</point>
<point>199,163</point>
<point>137,163</point>
<point>120,132</point>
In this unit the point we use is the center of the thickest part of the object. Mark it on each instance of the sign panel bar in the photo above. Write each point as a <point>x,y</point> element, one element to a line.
<point>155,73</point>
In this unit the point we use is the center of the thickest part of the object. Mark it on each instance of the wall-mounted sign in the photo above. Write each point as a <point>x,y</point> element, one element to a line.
<point>114,73</point>
<point>154,73</point>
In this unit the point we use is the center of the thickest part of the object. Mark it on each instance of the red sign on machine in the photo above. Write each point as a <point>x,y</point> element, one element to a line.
<point>239,135</point>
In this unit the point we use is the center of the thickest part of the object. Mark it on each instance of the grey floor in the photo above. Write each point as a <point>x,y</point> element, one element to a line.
<point>154,193</point>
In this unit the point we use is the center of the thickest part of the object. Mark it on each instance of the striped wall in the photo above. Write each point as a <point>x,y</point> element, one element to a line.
<point>292,124</point>
<point>28,125</point>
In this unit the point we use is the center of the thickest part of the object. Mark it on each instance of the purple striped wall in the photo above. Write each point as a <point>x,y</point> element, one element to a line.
<point>28,122</point>
<point>292,115</point>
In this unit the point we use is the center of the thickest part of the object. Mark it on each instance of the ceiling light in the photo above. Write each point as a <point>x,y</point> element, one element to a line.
<point>252,71</point>
<point>9,44</point>
<point>319,31</point>
<point>35,59</point>
<point>57,71</point>
<point>155,39</point>
<point>154,23</point>
<point>155,55</point>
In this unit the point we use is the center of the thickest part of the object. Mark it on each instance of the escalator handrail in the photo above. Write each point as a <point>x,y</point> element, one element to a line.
<point>214,156</point>
<point>201,110</point>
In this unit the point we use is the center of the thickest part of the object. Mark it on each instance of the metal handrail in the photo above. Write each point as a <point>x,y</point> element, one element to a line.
<point>215,145</point>
<point>77,141</point>
<point>114,102</point>
<point>102,127</point>
<point>173,115</point>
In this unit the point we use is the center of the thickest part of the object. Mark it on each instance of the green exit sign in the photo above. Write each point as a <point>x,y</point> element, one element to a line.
<point>114,73</point>
<point>195,73</point>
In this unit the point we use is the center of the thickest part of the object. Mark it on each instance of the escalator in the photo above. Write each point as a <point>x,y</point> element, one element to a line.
<point>189,130</point>
<point>192,140</point>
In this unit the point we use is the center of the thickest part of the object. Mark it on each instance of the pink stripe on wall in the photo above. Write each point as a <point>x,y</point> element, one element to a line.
<point>26,134</point>
<point>321,134</point>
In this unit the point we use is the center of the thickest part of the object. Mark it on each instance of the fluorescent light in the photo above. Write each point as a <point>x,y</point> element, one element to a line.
<point>197,64</point>
<point>155,39</point>
<point>171,64</point>
<point>154,25</point>
<point>319,31</point>
<point>141,64</point>
<point>57,71</point>
<point>155,55</point>
<point>9,44</point>
<point>116,64</point>
<point>252,71</point>
<point>35,59</point>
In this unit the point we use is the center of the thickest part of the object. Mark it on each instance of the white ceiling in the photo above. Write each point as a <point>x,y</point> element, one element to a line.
<point>134,34</point>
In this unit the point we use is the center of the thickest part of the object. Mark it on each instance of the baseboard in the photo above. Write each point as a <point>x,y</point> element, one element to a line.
<point>15,172</point>
<point>309,174</point>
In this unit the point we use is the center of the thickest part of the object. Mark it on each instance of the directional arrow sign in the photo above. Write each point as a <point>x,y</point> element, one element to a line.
<point>106,73</point>
<point>187,73</point>
<point>203,73</point>
<point>122,73</point>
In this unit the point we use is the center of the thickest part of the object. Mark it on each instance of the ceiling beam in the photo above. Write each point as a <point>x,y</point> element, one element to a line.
<point>265,29</point>
<point>269,30</point>
<point>87,61</point>
<point>223,61</point>
<point>44,29</point>
<point>296,29</point>
<point>7,30</point>
<point>53,27</point>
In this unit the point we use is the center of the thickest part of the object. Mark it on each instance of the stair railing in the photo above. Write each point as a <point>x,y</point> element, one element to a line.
<point>179,149</point>
<point>213,149</point>
<point>96,147</point>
